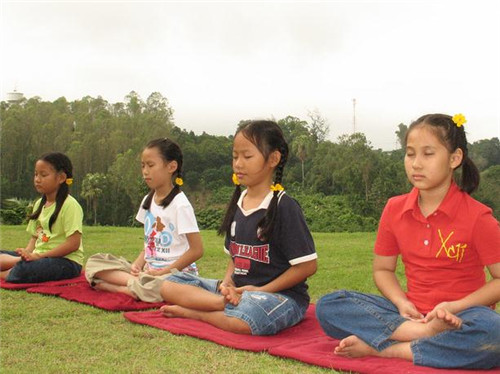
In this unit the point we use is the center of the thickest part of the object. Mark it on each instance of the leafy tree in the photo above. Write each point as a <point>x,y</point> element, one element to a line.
<point>489,189</point>
<point>401,134</point>
<point>318,128</point>
<point>485,153</point>
<point>92,189</point>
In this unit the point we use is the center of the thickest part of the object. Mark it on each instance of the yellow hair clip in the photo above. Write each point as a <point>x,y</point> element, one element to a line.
<point>236,181</point>
<point>276,187</point>
<point>179,181</point>
<point>459,119</point>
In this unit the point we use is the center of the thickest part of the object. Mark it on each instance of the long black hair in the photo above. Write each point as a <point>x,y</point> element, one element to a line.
<point>452,137</point>
<point>61,164</point>
<point>268,137</point>
<point>169,151</point>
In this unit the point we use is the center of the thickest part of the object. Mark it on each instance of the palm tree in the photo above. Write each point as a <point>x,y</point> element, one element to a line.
<point>92,189</point>
<point>301,147</point>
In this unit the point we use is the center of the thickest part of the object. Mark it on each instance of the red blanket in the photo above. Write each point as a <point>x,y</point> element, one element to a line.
<point>319,351</point>
<point>305,342</point>
<point>205,331</point>
<point>83,293</point>
<point>22,286</point>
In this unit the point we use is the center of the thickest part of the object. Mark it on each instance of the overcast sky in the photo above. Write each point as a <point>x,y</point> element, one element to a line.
<point>220,62</point>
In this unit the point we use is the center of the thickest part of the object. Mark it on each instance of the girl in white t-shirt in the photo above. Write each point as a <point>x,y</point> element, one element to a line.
<point>171,236</point>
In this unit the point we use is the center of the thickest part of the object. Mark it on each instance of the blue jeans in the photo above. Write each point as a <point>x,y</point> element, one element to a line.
<point>476,345</point>
<point>266,313</point>
<point>43,270</point>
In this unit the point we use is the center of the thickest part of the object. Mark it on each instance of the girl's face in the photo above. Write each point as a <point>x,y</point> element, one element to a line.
<point>428,163</point>
<point>47,180</point>
<point>250,165</point>
<point>156,172</point>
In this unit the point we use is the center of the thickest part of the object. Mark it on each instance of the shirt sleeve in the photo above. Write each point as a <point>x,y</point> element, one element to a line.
<point>186,219</point>
<point>386,243</point>
<point>141,213</point>
<point>72,217</point>
<point>486,238</point>
<point>295,239</point>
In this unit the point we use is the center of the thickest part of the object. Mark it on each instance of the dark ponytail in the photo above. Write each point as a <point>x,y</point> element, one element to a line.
<point>453,137</point>
<point>225,227</point>
<point>169,151</point>
<point>61,163</point>
<point>266,224</point>
<point>268,137</point>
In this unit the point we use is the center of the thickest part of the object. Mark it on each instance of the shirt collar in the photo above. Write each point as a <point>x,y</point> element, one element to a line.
<point>448,206</point>
<point>263,205</point>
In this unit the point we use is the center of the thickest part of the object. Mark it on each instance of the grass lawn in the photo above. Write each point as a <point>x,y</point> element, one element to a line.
<point>45,334</point>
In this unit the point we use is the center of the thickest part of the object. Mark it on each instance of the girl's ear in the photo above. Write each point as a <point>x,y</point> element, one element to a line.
<point>456,158</point>
<point>61,177</point>
<point>274,158</point>
<point>172,166</point>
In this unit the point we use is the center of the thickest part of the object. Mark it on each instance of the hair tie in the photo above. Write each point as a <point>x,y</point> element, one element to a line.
<point>69,181</point>
<point>236,181</point>
<point>179,181</point>
<point>276,187</point>
<point>459,119</point>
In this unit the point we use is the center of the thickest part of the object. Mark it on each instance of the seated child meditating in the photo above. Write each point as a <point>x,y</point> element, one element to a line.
<point>171,236</point>
<point>55,250</point>
<point>272,252</point>
<point>446,319</point>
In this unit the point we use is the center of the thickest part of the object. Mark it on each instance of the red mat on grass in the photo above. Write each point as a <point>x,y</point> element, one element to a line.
<point>22,286</point>
<point>318,351</point>
<point>83,293</point>
<point>205,331</point>
<point>305,342</point>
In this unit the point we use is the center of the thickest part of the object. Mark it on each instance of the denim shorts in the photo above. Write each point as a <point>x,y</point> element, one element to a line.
<point>43,270</point>
<point>266,313</point>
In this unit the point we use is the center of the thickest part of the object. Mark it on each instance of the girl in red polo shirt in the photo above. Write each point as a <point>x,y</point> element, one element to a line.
<point>445,239</point>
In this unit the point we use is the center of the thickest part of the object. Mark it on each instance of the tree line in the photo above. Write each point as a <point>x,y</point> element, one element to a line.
<point>341,185</point>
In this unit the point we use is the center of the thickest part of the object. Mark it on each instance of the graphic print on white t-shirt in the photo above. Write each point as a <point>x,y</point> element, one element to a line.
<point>159,237</point>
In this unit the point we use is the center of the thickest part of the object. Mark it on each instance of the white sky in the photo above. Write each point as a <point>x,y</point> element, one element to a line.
<point>220,62</point>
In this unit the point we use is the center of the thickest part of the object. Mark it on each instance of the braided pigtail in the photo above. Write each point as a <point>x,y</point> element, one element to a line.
<point>37,212</point>
<point>147,202</point>
<point>225,227</point>
<point>176,190</point>
<point>266,224</point>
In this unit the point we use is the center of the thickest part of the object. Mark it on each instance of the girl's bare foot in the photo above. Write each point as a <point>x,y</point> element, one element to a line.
<point>352,346</point>
<point>174,311</point>
<point>110,287</point>
<point>443,321</point>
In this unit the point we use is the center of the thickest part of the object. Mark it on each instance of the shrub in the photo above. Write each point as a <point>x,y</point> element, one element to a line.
<point>15,211</point>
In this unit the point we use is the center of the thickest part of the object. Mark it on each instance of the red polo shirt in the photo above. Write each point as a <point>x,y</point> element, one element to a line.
<point>444,254</point>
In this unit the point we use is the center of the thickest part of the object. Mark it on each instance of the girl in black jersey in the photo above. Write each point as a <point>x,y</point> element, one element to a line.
<point>272,253</point>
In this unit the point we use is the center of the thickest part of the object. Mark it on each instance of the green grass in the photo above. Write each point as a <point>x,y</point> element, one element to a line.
<point>45,334</point>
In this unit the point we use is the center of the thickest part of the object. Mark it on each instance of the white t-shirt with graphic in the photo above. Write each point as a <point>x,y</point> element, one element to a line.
<point>165,232</point>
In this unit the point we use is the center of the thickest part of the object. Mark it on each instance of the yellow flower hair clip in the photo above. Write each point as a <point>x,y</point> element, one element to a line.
<point>459,119</point>
<point>69,181</point>
<point>179,181</point>
<point>276,187</point>
<point>236,181</point>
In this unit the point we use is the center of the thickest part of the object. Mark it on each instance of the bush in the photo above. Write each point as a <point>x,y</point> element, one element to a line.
<point>209,218</point>
<point>333,214</point>
<point>15,211</point>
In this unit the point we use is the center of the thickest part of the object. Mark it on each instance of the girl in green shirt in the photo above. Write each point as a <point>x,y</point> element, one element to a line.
<point>55,250</point>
